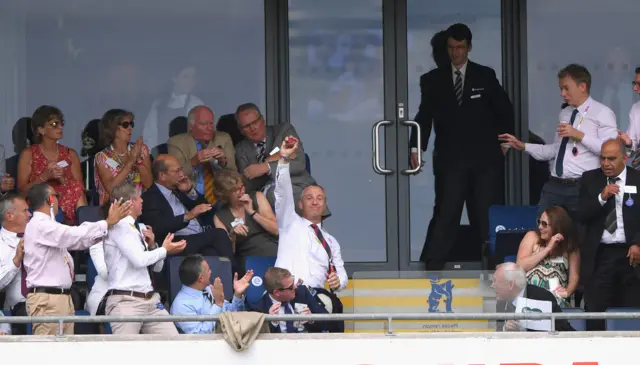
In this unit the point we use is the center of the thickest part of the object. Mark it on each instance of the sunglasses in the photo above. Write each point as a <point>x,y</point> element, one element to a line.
<point>126,125</point>
<point>56,124</point>
<point>542,223</point>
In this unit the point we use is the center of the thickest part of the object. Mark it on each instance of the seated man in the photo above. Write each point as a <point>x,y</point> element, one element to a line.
<point>510,283</point>
<point>201,151</point>
<point>199,297</point>
<point>131,252</point>
<point>285,296</point>
<point>304,247</point>
<point>254,156</point>
<point>172,205</point>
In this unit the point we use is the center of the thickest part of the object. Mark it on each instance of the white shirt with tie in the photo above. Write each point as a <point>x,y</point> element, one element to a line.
<point>463,72</point>
<point>634,126</point>
<point>10,275</point>
<point>618,235</point>
<point>128,258</point>
<point>598,126</point>
<point>299,249</point>
<point>281,312</point>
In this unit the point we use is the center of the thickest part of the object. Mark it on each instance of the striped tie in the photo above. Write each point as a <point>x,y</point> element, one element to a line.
<point>261,152</point>
<point>457,86</point>
<point>208,183</point>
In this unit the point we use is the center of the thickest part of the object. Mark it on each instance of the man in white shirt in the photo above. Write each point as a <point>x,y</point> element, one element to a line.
<point>585,125</point>
<point>14,215</point>
<point>631,139</point>
<point>130,251</point>
<point>304,248</point>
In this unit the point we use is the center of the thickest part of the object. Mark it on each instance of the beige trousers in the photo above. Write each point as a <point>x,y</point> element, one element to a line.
<point>125,305</point>
<point>42,304</point>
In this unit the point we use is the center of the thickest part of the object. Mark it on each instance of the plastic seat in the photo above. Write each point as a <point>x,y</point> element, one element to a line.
<point>259,265</point>
<point>577,324</point>
<point>220,267</point>
<point>503,217</point>
<point>623,324</point>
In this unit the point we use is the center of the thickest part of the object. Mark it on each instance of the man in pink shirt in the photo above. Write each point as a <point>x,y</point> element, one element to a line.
<point>47,262</point>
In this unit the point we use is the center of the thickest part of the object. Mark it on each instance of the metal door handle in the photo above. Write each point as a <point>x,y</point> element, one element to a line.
<point>415,171</point>
<point>375,134</point>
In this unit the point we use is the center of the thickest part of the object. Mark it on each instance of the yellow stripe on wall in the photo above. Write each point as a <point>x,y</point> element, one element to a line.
<point>405,301</point>
<point>400,330</point>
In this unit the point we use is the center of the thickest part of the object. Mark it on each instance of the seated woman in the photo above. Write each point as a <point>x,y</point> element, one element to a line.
<point>248,219</point>
<point>119,160</point>
<point>550,255</point>
<point>50,162</point>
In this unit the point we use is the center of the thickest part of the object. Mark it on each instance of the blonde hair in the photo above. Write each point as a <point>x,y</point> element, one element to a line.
<point>225,183</point>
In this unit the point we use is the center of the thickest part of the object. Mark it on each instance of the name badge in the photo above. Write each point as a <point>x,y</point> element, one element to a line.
<point>274,151</point>
<point>112,163</point>
<point>237,222</point>
<point>62,163</point>
<point>475,96</point>
<point>630,189</point>
<point>557,260</point>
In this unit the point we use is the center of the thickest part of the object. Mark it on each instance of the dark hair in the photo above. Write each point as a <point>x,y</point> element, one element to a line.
<point>460,32</point>
<point>578,73</point>
<point>90,135</point>
<point>638,70</point>
<point>247,106</point>
<point>157,166</point>
<point>273,278</point>
<point>22,135</point>
<point>109,124</point>
<point>41,116</point>
<point>38,195</point>
<point>190,269</point>
<point>439,49</point>
<point>560,222</point>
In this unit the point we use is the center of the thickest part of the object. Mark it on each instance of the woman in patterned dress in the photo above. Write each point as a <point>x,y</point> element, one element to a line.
<point>47,161</point>
<point>550,255</point>
<point>119,160</point>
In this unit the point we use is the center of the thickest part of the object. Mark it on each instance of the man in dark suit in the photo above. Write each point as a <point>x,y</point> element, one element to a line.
<point>285,296</point>
<point>610,210</point>
<point>468,109</point>
<point>510,283</point>
<point>172,205</point>
<point>254,156</point>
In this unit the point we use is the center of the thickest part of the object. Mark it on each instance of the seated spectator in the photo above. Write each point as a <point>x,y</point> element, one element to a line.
<point>254,156</point>
<point>202,151</point>
<point>7,185</point>
<point>172,205</point>
<point>304,246</point>
<point>247,218</point>
<point>199,297</point>
<point>49,162</point>
<point>5,328</point>
<point>14,215</point>
<point>131,253</point>
<point>550,255</point>
<point>510,283</point>
<point>120,161</point>
<point>285,296</point>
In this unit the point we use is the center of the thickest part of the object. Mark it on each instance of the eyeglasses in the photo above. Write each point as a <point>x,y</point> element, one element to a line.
<point>252,124</point>
<point>292,286</point>
<point>56,124</point>
<point>126,125</point>
<point>542,223</point>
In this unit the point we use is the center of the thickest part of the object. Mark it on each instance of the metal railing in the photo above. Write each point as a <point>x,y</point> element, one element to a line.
<point>388,317</point>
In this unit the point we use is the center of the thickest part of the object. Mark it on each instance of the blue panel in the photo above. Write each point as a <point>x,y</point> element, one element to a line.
<point>623,324</point>
<point>259,265</point>
<point>577,324</point>
<point>509,218</point>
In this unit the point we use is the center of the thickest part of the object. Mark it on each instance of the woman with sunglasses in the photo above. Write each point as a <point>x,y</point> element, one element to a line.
<point>120,160</point>
<point>550,255</point>
<point>48,161</point>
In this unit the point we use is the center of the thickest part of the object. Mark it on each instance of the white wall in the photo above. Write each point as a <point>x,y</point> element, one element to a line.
<point>441,349</point>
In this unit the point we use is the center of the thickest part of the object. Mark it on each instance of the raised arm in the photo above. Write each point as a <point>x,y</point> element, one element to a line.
<point>79,237</point>
<point>285,206</point>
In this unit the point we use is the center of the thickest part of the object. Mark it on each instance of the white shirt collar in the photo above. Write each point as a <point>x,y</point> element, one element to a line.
<point>521,295</point>
<point>623,175</point>
<point>8,233</point>
<point>463,69</point>
<point>309,223</point>
<point>582,108</point>
<point>128,219</point>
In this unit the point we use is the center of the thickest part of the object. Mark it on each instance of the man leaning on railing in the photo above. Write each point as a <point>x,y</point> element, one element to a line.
<point>304,247</point>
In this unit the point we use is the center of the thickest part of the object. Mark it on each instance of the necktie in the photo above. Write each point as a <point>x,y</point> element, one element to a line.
<point>611,222</point>
<point>144,245</point>
<point>23,273</point>
<point>208,296</point>
<point>457,86</point>
<point>563,148</point>
<point>261,152</point>
<point>289,324</point>
<point>208,184</point>
<point>325,245</point>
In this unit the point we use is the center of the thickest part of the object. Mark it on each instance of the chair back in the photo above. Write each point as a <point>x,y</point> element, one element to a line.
<point>623,324</point>
<point>577,324</point>
<point>259,265</point>
<point>503,217</point>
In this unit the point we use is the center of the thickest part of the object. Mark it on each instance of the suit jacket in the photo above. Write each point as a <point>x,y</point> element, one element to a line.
<point>157,212</point>
<point>535,293</point>
<point>246,155</point>
<point>183,147</point>
<point>593,216</point>
<point>303,296</point>
<point>469,130</point>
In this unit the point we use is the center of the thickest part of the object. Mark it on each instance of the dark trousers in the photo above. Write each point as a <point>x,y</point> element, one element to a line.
<point>19,310</point>
<point>564,195</point>
<point>612,284</point>
<point>480,185</point>
<point>212,242</point>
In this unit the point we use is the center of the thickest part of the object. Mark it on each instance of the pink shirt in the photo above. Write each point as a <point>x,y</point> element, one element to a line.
<point>46,242</point>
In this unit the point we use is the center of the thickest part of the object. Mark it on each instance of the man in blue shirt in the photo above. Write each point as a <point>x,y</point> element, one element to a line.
<point>198,297</point>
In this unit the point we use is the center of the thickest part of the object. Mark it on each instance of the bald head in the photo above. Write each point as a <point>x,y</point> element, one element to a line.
<point>167,171</point>
<point>613,157</point>
<point>509,280</point>
<point>201,123</point>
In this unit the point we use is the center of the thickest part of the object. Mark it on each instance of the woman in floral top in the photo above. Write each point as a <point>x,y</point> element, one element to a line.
<point>120,161</point>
